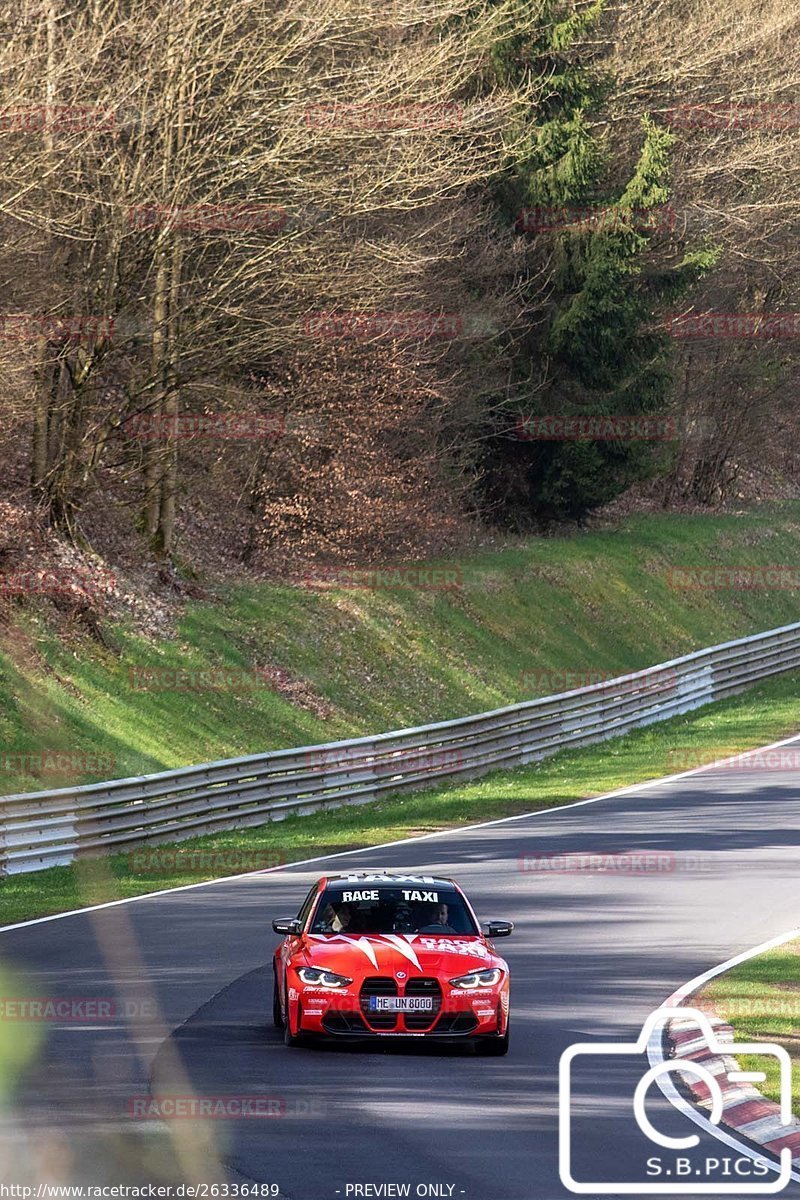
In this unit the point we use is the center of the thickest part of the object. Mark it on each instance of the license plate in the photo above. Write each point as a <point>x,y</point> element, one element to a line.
<point>401,1004</point>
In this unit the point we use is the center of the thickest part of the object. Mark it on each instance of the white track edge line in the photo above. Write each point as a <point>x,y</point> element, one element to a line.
<point>655,1050</point>
<point>455,830</point>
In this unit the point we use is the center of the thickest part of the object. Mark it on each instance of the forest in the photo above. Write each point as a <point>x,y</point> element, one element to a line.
<point>351,280</point>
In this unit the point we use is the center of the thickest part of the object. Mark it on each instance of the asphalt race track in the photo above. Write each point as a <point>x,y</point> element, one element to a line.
<point>592,955</point>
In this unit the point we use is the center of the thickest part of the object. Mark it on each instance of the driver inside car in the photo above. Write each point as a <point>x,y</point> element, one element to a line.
<point>438,921</point>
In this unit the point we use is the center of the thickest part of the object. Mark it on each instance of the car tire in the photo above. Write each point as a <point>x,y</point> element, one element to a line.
<point>277,1016</point>
<point>289,1038</point>
<point>494,1047</point>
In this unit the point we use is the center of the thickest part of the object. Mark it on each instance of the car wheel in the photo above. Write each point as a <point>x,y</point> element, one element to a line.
<point>494,1047</point>
<point>289,1038</point>
<point>277,1016</point>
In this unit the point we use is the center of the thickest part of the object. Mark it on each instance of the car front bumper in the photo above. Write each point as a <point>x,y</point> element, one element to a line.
<point>457,1014</point>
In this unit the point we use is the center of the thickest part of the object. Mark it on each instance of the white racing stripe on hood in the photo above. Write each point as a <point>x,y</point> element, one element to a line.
<point>364,945</point>
<point>361,943</point>
<point>403,947</point>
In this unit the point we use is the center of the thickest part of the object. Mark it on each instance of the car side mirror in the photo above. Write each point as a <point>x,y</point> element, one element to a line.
<point>287,925</point>
<point>496,929</point>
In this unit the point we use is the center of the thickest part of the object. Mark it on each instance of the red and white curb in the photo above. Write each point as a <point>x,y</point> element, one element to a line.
<point>745,1111</point>
<point>681,998</point>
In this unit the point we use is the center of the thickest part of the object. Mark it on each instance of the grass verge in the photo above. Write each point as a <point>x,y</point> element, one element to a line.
<point>759,716</point>
<point>760,998</point>
<point>308,665</point>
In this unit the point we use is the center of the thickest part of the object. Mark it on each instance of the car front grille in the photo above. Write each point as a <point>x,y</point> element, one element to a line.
<point>378,985</point>
<point>423,987</point>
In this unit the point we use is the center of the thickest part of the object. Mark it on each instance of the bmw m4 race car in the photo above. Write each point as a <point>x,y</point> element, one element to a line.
<point>374,955</point>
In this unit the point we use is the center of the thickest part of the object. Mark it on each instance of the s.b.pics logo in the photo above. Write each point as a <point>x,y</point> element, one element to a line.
<point>707,1067</point>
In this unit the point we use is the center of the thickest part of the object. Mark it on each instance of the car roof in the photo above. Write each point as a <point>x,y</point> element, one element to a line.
<point>389,879</point>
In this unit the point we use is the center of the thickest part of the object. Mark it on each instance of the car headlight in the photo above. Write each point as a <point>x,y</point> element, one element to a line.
<point>477,979</point>
<point>323,978</point>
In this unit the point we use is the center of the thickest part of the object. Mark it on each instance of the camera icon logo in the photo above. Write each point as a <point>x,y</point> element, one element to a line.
<point>686,1066</point>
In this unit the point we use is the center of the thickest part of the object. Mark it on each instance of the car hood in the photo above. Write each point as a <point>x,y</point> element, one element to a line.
<point>387,953</point>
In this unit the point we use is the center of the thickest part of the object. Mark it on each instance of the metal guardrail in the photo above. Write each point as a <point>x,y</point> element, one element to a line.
<point>45,829</point>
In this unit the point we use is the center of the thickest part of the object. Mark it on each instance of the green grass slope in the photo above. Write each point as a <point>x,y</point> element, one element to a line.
<point>364,660</point>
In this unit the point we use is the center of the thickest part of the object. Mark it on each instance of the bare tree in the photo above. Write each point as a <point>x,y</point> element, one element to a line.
<point>240,168</point>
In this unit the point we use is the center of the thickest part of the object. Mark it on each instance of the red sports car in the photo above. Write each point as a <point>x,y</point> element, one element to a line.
<point>376,955</point>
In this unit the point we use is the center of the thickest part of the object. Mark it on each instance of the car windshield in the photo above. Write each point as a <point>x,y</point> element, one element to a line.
<point>366,909</point>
